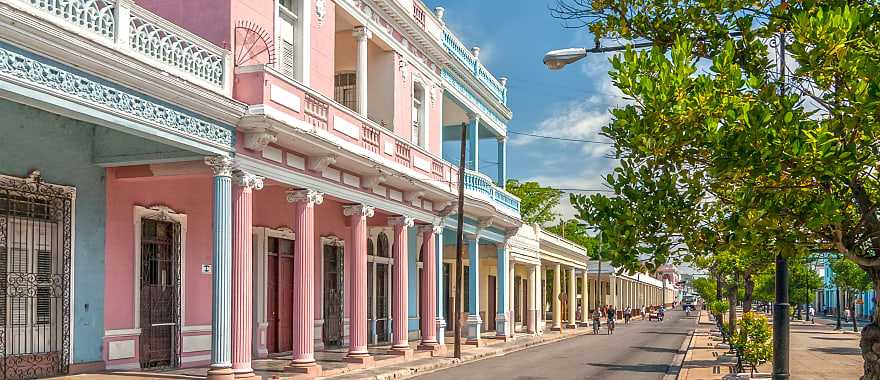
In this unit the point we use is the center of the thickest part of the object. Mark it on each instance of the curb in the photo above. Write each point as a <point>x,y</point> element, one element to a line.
<point>674,369</point>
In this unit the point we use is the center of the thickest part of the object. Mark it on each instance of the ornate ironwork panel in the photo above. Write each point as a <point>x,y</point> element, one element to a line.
<point>333,301</point>
<point>159,294</point>
<point>35,250</point>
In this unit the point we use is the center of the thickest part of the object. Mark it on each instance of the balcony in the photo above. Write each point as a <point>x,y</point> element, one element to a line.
<point>455,48</point>
<point>129,29</point>
<point>480,186</point>
<point>306,109</point>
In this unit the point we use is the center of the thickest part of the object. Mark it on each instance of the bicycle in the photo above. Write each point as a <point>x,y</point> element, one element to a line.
<point>596,327</point>
<point>610,326</point>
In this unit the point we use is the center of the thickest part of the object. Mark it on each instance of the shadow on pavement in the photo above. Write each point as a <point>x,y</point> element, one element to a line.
<point>839,350</point>
<point>825,338</point>
<point>655,368</point>
<point>664,333</point>
<point>657,349</point>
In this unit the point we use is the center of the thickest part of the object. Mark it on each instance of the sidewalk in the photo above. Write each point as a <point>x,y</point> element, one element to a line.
<point>386,366</point>
<point>818,352</point>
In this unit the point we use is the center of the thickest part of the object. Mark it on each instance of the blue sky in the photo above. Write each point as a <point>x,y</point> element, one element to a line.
<point>513,36</point>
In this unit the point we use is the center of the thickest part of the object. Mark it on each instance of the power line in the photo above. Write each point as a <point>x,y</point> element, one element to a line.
<point>559,138</point>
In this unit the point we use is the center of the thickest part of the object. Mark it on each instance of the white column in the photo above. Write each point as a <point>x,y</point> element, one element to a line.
<point>572,299</point>
<point>557,302</point>
<point>531,303</point>
<point>361,35</point>
<point>585,298</point>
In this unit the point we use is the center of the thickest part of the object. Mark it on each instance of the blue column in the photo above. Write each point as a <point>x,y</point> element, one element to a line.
<point>221,305</point>
<point>502,162</point>
<point>441,317</point>
<point>473,135</point>
<point>474,322</point>
<point>501,319</point>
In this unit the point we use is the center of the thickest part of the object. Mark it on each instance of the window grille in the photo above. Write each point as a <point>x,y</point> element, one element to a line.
<point>346,90</point>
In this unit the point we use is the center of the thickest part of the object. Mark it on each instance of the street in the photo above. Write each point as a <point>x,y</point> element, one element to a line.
<point>640,350</point>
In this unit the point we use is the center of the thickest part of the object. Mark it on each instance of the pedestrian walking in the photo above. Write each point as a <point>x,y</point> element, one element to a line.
<point>846,315</point>
<point>627,314</point>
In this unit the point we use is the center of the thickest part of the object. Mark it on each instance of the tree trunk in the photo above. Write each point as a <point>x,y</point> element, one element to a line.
<point>731,299</point>
<point>747,295</point>
<point>870,342</point>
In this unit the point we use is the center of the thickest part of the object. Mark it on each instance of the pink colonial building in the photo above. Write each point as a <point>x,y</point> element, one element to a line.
<point>322,226</point>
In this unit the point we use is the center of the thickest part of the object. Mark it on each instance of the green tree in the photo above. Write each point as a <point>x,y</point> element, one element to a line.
<point>537,203</point>
<point>847,276</point>
<point>710,115</point>
<point>705,288</point>
<point>575,231</point>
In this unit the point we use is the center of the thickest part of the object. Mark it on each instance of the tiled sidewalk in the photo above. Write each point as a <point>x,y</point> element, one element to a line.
<point>818,352</point>
<point>386,366</point>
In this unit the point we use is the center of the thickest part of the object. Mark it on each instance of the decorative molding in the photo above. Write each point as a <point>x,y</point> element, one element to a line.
<point>361,210</point>
<point>221,165</point>
<point>332,240</point>
<point>319,163</point>
<point>310,196</point>
<point>158,42</point>
<point>371,181</point>
<point>320,11</point>
<point>259,138</point>
<point>401,221</point>
<point>431,228</point>
<point>411,196</point>
<point>362,32</point>
<point>247,180</point>
<point>66,84</point>
<point>486,222</point>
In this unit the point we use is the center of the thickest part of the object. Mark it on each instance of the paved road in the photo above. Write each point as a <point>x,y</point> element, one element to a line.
<point>640,350</point>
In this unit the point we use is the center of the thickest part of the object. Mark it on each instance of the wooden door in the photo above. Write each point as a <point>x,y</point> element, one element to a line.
<point>272,303</point>
<point>279,295</point>
<point>490,310</point>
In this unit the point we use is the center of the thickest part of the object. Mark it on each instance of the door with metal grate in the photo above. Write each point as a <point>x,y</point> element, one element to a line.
<point>160,293</point>
<point>35,248</point>
<point>333,301</point>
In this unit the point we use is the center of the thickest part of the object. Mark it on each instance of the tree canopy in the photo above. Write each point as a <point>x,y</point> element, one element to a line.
<point>537,203</point>
<point>712,120</point>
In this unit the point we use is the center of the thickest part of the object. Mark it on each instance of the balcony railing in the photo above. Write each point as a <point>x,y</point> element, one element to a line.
<point>419,14</point>
<point>481,186</point>
<point>327,115</point>
<point>464,56</point>
<point>136,31</point>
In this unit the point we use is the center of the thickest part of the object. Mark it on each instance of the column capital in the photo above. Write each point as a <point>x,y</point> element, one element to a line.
<point>501,245</point>
<point>401,221</point>
<point>470,236</point>
<point>306,195</point>
<point>220,165</point>
<point>360,210</point>
<point>362,33</point>
<point>431,228</point>
<point>248,180</point>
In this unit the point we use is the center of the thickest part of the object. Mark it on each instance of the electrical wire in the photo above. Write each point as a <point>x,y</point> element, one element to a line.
<point>559,138</point>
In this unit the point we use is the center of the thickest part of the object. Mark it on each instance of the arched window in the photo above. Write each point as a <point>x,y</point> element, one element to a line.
<point>370,250</point>
<point>383,248</point>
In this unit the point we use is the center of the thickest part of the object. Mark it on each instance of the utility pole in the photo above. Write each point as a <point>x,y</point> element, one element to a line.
<point>459,243</point>
<point>837,290</point>
<point>599,272</point>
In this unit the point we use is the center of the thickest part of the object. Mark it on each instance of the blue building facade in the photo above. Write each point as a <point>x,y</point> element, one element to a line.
<point>865,301</point>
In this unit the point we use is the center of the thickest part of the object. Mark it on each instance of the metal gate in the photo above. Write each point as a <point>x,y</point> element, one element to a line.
<point>35,265</point>
<point>160,293</point>
<point>333,294</point>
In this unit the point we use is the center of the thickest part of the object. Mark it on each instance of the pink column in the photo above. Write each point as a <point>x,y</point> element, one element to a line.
<point>357,348</point>
<point>304,288</point>
<point>400,308</point>
<point>242,272</point>
<point>428,291</point>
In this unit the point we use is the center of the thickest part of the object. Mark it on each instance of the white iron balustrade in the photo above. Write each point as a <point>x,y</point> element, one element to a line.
<point>480,186</point>
<point>157,41</point>
<point>94,15</point>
